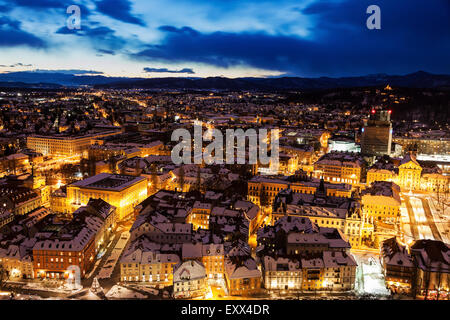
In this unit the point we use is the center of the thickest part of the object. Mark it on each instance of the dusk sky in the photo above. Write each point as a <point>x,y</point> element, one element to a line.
<point>231,38</point>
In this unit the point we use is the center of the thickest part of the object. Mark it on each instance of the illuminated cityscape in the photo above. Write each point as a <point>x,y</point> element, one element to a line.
<point>354,203</point>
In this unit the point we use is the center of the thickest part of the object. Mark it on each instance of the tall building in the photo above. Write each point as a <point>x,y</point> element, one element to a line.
<point>376,136</point>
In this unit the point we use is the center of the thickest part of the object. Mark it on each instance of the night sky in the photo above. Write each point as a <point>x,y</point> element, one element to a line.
<point>232,38</point>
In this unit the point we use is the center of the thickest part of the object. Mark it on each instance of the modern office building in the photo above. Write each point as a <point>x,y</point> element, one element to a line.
<point>376,139</point>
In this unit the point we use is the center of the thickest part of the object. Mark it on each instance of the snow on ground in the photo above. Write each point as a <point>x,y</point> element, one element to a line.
<point>110,264</point>
<point>145,288</point>
<point>119,292</point>
<point>441,219</point>
<point>369,274</point>
<point>46,285</point>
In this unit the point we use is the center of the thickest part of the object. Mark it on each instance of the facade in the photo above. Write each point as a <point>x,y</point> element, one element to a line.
<point>52,257</point>
<point>122,191</point>
<point>64,145</point>
<point>398,266</point>
<point>344,214</point>
<point>151,267</point>
<point>281,273</point>
<point>432,261</point>
<point>340,167</point>
<point>381,202</point>
<point>210,255</point>
<point>376,139</point>
<point>19,200</point>
<point>189,279</point>
<point>328,271</point>
<point>242,276</point>
<point>409,172</point>
<point>17,259</point>
<point>199,215</point>
<point>422,270</point>
<point>298,183</point>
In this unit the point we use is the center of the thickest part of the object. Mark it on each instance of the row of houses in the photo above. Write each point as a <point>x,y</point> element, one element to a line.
<point>44,245</point>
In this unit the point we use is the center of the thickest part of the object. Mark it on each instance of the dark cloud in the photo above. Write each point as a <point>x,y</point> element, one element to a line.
<point>165,70</point>
<point>67,71</point>
<point>19,64</point>
<point>102,38</point>
<point>119,10</point>
<point>103,51</point>
<point>12,35</point>
<point>339,43</point>
<point>55,5</point>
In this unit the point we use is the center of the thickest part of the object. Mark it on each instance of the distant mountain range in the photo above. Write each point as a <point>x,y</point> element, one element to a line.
<point>24,79</point>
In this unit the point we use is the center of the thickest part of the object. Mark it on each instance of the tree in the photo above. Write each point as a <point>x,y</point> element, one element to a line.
<point>263,198</point>
<point>4,276</point>
<point>198,181</point>
<point>181,178</point>
<point>442,197</point>
<point>154,178</point>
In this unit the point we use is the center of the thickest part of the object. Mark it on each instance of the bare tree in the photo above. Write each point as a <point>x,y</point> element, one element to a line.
<point>154,178</point>
<point>181,178</point>
<point>4,276</point>
<point>442,197</point>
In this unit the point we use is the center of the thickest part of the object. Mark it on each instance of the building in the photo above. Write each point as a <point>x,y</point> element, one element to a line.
<point>382,170</point>
<point>432,261</point>
<point>344,214</point>
<point>398,266</point>
<point>242,276</point>
<point>19,200</point>
<point>340,167</point>
<point>199,215</point>
<point>16,257</point>
<point>211,255</point>
<point>409,172</point>
<point>269,187</point>
<point>122,191</point>
<point>422,269</point>
<point>281,273</point>
<point>64,145</point>
<point>376,138</point>
<point>189,279</point>
<point>381,202</point>
<point>328,271</point>
<point>6,217</point>
<point>145,261</point>
<point>159,229</point>
<point>103,217</point>
<point>70,245</point>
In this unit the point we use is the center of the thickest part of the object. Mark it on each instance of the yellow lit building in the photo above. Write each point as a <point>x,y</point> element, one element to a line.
<point>242,276</point>
<point>380,175</point>
<point>271,186</point>
<point>409,172</point>
<point>214,261</point>
<point>199,215</point>
<point>381,202</point>
<point>339,167</point>
<point>64,145</point>
<point>148,266</point>
<point>412,175</point>
<point>122,191</point>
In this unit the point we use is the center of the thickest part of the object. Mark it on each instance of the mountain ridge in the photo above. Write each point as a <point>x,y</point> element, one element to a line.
<point>419,79</point>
